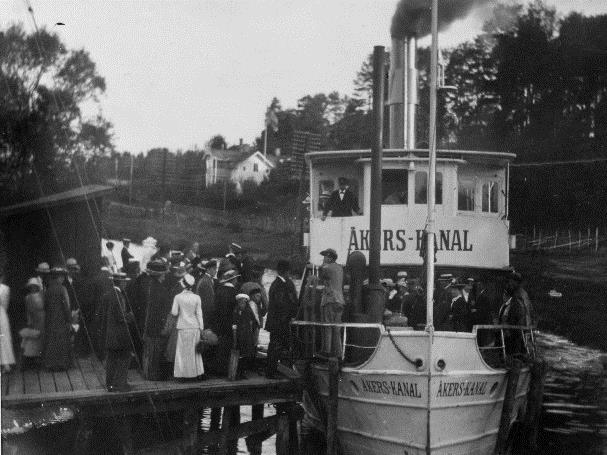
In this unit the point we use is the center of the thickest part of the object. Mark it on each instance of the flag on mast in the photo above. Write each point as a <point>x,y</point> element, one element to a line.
<point>271,119</point>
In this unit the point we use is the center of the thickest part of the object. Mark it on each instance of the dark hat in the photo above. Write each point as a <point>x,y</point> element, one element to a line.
<point>342,180</point>
<point>210,264</point>
<point>283,265</point>
<point>229,275</point>
<point>329,252</point>
<point>157,267</point>
<point>515,276</point>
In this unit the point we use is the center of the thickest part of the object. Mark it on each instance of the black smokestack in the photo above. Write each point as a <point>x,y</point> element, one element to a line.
<point>412,17</point>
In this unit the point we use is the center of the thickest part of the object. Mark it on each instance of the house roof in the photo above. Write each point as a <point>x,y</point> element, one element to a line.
<point>51,200</point>
<point>264,159</point>
<point>227,155</point>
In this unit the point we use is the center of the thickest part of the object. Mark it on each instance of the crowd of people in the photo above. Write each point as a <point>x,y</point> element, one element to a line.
<point>178,317</point>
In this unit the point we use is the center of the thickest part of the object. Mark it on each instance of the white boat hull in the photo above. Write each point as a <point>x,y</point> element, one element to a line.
<point>384,407</point>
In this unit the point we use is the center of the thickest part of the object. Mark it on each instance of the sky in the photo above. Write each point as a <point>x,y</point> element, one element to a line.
<point>179,72</point>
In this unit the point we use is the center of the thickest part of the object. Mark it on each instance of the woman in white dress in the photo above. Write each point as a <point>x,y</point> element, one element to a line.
<point>7,355</point>
<point>188,309</point>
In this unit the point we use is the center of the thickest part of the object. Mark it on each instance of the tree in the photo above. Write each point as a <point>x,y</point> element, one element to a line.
<point>42,130</point>
<point>217,142</point>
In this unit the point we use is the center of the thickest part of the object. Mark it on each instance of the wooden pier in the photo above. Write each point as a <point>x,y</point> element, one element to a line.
<point>82,388</point>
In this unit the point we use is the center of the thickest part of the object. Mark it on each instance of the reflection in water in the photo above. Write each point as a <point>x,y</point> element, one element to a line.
<point>574,418</point>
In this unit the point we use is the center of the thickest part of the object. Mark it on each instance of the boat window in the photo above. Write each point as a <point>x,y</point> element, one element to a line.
<point>490,197</point>
<point>465,195</point>
<point>421,188</point>
<point>325,188</point>
<point>395,186</point>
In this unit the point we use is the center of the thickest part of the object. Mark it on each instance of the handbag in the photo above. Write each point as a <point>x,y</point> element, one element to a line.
<point>209,338</point>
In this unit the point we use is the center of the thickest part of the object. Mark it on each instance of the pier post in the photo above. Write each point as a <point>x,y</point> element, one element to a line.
<point>231,419</point>
<point>282,435</point>
<point>254,443</point>
<point>332,406</point>
<point>507,408</point>
<point>534,404</point>
<point>191,419</point>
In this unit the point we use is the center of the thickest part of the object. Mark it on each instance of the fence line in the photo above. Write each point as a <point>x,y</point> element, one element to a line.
<point>590,239</point>
<point>179,214</point>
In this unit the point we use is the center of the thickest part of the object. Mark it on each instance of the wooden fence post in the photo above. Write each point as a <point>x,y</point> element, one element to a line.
<point>569,233</point>
<point>282,435</point>
<point>596,240</point>
<point>539,240</point>
<point>588,239</point>
<point>556,236</point>
<point>579,239</point>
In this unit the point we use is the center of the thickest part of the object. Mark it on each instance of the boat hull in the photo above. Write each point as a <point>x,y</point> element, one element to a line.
<point>384,406</point>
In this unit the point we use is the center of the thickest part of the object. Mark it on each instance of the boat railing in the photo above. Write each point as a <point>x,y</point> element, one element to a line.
<point>352,343</point>
<point>500,344</point>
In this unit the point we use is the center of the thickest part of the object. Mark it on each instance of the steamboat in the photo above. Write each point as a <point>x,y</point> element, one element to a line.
<point>404,388</point>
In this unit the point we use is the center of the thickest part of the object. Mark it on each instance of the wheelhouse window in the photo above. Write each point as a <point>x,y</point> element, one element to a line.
<point>465,195</point>
<point>325,188</point>
<point>421,188</point>
<point>395,186</point>
<point>490,197</point>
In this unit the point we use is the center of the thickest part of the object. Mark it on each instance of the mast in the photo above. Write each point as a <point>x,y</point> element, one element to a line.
<point>431,171</point>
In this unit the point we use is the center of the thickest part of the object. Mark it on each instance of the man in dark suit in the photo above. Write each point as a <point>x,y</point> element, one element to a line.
<point>282,308</point>
<point>342,201</point>
<point>125,255</point>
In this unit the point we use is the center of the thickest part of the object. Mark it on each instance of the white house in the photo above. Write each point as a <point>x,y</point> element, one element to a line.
<point>256,167</point>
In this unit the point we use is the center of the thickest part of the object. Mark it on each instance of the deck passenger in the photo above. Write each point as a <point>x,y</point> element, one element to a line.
<point>512,312</point>
<point>515,284</point>
<point>460,308</point>
<point>282,307</point>
<point>205,288</point>
<point>7,355</point>
<point>109,258</point>
<point>332,300</point>
<point>225,300</point>
<point>119,347</point>
<point>33,335</point>
<point>125,254</point>
<point>58,354</point>
<point>188,310</point>
<point>43,270</point>
<point>157,305</point>
<point>247,324</point>
<point>342,202</point>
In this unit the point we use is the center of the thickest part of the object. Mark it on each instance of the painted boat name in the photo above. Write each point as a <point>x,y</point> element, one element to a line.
<point>458,389</point>
<point>404,389</point>
<point>396,240</point>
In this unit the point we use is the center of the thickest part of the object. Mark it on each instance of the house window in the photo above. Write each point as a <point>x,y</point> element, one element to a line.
<point>465,195</point>
<point>395,186</point>
<point>244,168</point>
<point>421,188</point>
<point>490,197</point>
<point>255,167</point>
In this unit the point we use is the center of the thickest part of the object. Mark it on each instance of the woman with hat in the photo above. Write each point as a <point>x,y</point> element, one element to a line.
<point>58,323</point>
<point>247,328</point>
<point>188,310</point>
<point>7,356</point>
<point>32,334</point>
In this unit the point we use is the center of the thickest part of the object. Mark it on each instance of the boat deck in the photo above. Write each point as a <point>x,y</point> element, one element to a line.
<point>84,386</point>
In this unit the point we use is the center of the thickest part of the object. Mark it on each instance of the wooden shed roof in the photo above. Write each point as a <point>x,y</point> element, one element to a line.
<point>51,200</point>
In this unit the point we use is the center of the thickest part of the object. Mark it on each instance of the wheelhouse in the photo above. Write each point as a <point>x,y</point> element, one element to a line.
<point>471,206</point>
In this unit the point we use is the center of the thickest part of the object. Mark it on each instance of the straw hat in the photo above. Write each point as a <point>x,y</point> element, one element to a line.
<point>229,275</point>
<point>43,267</point>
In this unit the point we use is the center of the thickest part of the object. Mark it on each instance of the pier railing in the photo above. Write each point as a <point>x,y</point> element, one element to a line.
<point>352,343</point>
<point>500,344</point>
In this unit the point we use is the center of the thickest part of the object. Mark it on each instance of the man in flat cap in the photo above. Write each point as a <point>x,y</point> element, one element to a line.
<point>332,300</point>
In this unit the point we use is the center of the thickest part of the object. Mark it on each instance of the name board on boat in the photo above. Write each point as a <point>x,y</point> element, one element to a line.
<point>396,388</point>
<point>461,389</point>
<point>460,240</point>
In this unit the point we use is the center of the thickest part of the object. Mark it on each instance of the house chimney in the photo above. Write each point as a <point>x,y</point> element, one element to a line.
<point>240,144</point>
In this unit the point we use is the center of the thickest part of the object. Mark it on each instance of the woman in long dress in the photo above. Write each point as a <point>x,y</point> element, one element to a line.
<point>32,335</point>
<point>58,323</point>
<point>188,309</point>
<point>7,355</point>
